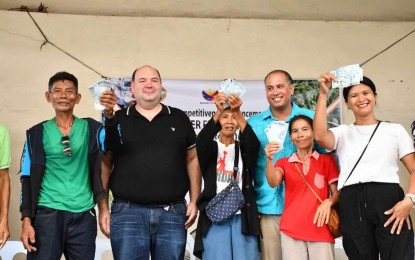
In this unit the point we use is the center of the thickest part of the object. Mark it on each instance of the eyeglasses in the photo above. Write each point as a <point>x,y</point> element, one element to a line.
<point>67,148</point>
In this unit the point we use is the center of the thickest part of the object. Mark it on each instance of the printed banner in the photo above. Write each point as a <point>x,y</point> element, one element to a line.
<point>195,97</point>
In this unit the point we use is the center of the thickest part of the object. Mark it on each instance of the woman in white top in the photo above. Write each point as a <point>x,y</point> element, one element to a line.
<point>373,208</point>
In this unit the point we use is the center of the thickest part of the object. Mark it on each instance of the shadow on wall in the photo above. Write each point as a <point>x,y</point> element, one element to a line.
<point>13,250</point>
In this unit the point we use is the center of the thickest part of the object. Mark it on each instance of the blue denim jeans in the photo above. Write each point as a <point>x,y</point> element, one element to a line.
<point>59,231</point>
<point>138,231</point>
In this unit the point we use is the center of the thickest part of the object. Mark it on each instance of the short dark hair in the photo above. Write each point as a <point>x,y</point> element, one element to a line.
<point>287,75</point>
<point>298,117</point>
<point>63,75</point>
<point>133,76</point>
<point>366,81</point>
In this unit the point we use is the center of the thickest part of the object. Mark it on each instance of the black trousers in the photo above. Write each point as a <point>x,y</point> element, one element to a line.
<point>361,209</point>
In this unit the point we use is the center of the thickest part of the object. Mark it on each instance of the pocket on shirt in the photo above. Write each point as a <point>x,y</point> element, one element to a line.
<point>319,181</point>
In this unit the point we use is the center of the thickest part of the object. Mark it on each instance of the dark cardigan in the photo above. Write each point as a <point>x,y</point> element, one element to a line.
<point>207,152</point>
<point>31,184</point>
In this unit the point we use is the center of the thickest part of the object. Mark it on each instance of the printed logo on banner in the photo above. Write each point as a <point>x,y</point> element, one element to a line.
<point>209,94</point>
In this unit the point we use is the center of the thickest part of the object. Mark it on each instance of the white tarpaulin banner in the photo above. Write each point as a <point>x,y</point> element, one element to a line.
<point>194,97</point>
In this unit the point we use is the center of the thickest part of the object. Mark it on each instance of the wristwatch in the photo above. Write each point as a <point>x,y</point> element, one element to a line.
<point>412,196</point>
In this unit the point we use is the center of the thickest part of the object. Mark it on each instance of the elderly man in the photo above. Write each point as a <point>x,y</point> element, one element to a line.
<point>61,167</point>
<point>155,164</point>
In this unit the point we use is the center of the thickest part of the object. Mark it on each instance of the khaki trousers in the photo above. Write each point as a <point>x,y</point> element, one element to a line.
<point>271,238</point>
<point>293,249</point>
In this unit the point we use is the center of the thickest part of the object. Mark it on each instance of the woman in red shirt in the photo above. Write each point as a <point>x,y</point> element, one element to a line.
<point>304,231</point>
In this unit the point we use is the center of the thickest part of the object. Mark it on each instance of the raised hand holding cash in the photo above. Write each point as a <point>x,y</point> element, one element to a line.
<point>230,86</point>
<point>276,132</point>
<point>347,76</point>
<point>97,89</point>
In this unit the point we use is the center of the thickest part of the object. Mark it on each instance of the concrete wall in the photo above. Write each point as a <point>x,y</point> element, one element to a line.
<point>186,48</point>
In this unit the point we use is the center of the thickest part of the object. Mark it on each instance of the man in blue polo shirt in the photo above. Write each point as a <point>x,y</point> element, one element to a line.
<point>155,164</point>
<point>279,88</point>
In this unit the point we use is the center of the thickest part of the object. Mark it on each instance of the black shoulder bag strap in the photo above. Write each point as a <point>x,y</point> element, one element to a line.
<point>236,161</point>
<point>364,150</point>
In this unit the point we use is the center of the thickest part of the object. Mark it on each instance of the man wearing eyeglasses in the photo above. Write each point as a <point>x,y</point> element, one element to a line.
<point>61,167</point>
<point>155,164</point>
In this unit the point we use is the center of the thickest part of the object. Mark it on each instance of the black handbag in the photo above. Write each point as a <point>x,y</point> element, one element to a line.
<point>227,202</point>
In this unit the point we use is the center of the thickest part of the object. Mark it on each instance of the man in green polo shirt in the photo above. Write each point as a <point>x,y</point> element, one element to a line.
<point>4,184</point>
<point>61,168</point>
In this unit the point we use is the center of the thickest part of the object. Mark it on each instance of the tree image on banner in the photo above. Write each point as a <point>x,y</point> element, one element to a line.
<point>306,93</point>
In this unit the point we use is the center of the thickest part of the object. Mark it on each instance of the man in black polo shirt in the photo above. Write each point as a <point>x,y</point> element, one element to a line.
<point>155,164</point>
